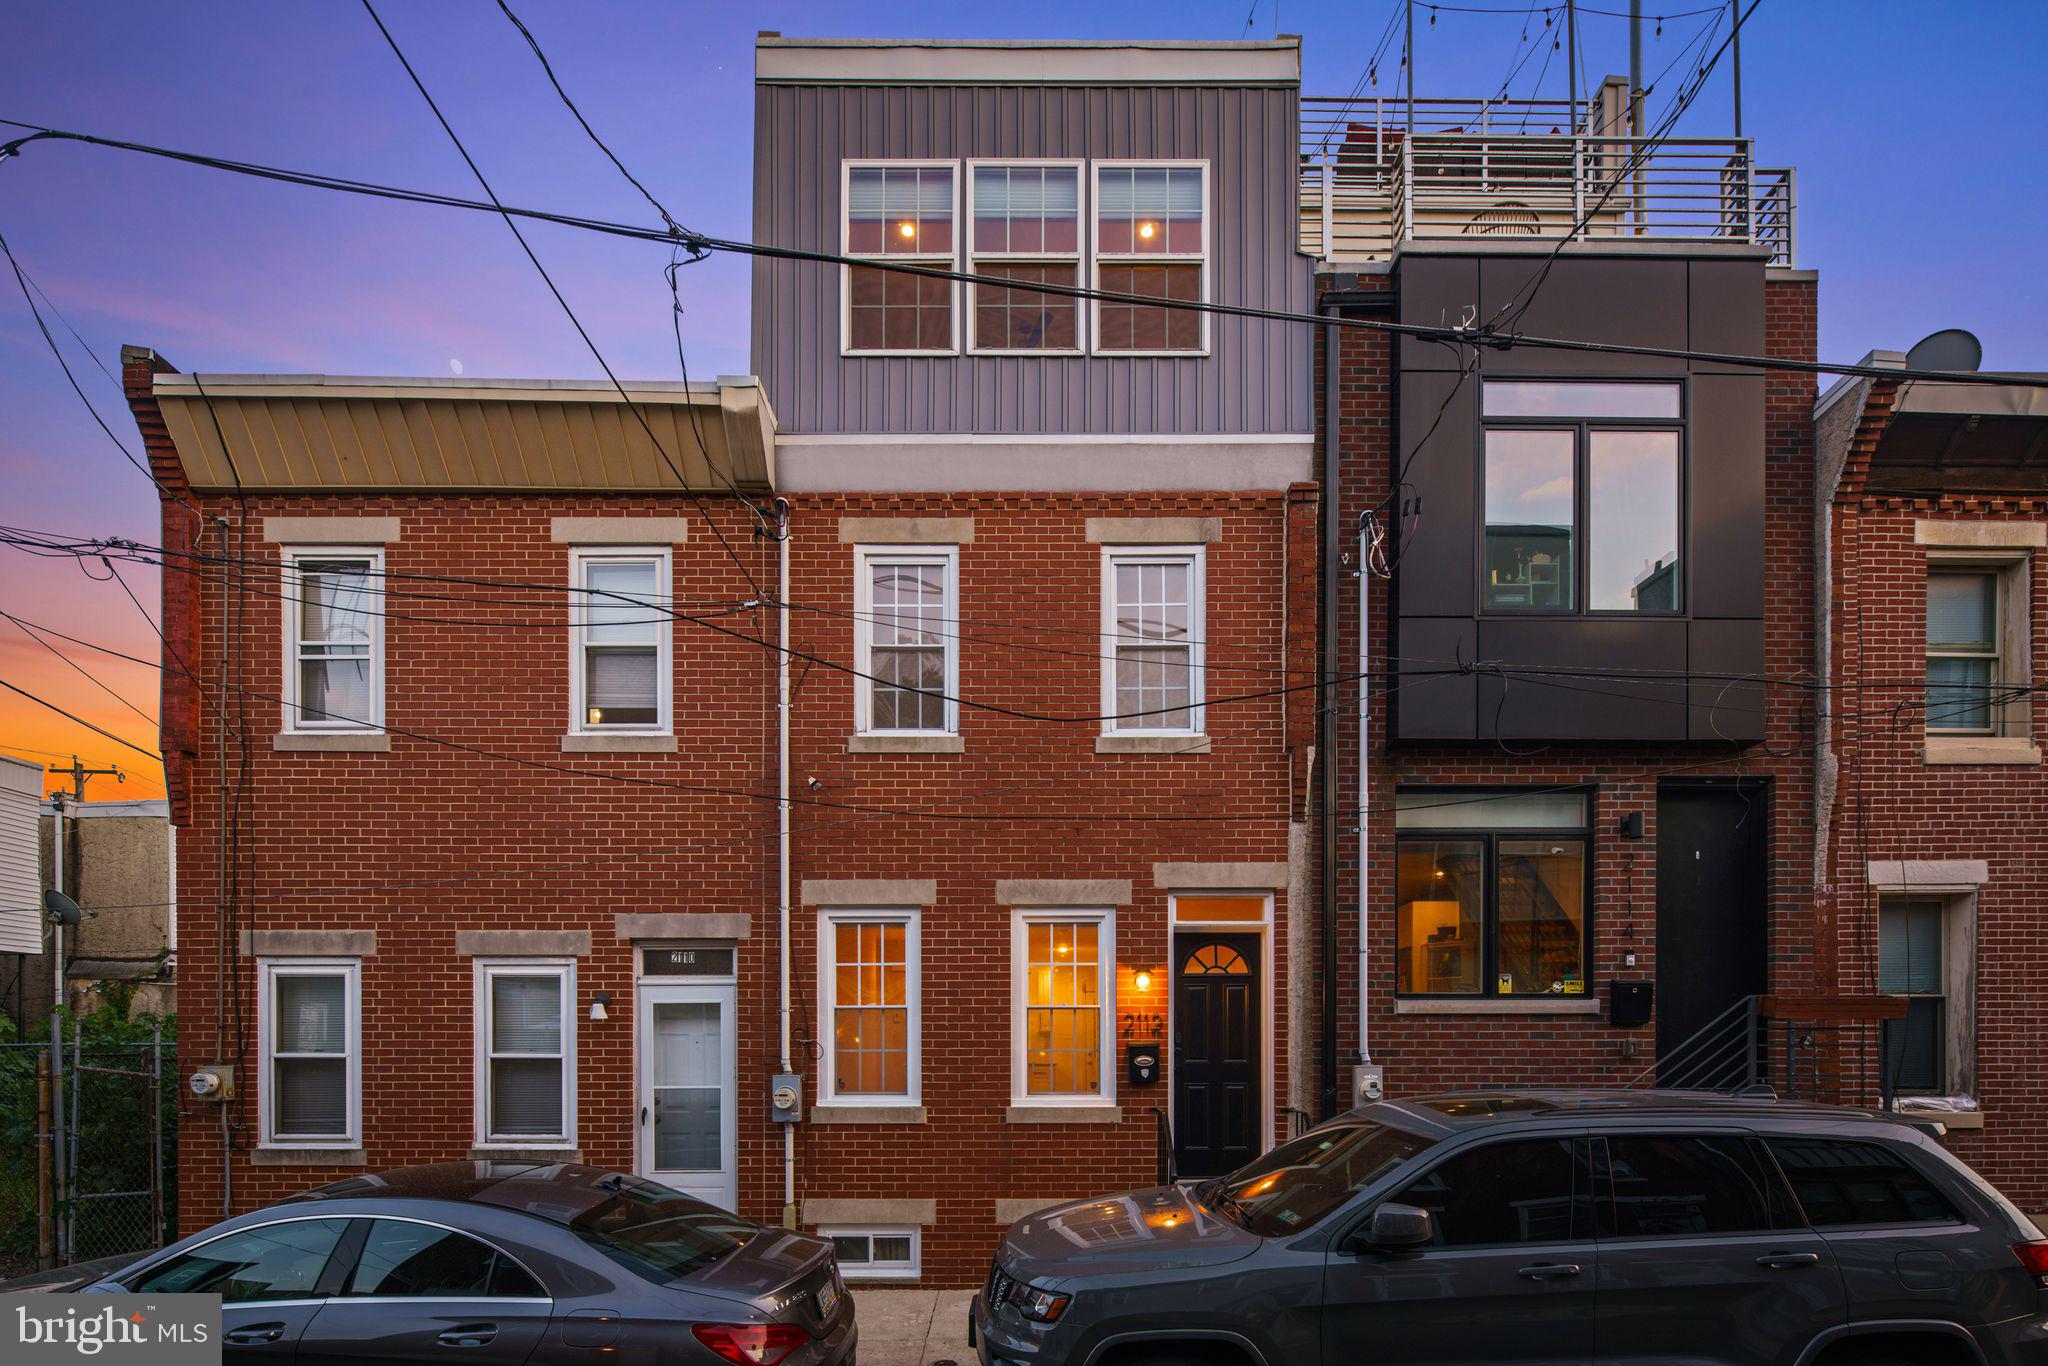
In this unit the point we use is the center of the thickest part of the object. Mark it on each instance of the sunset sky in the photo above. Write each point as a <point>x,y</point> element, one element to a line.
<point>1916,144</point>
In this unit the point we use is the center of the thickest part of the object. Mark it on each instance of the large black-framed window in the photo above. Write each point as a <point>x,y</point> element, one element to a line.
<point>1493,894</point>
<point>1582,505</point>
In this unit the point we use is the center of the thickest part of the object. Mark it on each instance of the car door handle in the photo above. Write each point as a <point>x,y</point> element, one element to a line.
<point>1549,1271</point>
<point>469,1335</point>
<point>254,1334</point>
<point>1787,1261</point>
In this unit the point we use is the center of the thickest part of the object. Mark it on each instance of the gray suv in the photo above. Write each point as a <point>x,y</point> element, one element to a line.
<point>1540,1226</point>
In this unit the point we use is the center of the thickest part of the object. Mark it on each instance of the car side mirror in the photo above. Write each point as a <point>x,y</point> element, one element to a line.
<point>1396,1228</point>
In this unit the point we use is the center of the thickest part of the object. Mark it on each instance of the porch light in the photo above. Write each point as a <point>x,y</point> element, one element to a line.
<point>598,1006</point>
<point>1143,981</point>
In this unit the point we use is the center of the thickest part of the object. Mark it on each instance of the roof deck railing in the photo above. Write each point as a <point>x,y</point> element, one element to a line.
<point>1542,169</point>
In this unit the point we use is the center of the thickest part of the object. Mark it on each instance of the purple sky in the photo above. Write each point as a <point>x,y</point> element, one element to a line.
<point>1919,181</point>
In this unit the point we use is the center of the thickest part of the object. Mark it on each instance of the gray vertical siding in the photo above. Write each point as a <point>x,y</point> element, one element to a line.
<point>1256,378</point>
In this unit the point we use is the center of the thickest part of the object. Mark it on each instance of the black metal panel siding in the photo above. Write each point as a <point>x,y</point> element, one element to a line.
<point>1701,304</point>
<point>1256,377</point>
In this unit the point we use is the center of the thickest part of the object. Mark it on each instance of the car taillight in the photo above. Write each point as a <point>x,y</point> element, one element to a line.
<point>2034,1257</point>
<point>751,1344</point>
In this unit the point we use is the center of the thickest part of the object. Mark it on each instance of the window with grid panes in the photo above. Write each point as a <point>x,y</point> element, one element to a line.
<point>1155,613</point>
<point>906,636</point>
<point>336,641</point>
<point>1064,1002</point>
<point>1026,227</point>
<point>870,978</point>
<point>1151,239</point>
<point>899,213</point>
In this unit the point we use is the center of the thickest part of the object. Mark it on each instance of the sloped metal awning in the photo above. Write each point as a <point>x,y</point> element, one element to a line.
<point>353,433</point>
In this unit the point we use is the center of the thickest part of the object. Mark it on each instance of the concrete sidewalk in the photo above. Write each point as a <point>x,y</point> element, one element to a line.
<point>913,1327</point>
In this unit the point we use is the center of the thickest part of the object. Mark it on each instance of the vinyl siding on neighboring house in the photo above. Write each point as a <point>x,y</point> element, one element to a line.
<point>21,875</point>
<point>1249,383</point>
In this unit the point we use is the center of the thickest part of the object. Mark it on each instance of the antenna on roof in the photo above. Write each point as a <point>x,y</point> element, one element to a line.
<point>1952,348</point>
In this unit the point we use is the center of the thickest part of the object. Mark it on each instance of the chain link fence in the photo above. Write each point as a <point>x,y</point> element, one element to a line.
<point>88,1159</point>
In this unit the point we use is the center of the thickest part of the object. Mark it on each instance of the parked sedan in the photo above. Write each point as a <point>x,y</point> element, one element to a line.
<point>507,1262</point>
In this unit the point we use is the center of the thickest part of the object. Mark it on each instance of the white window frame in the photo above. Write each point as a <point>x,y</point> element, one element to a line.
<point>294,722</point>
<point>1021,921</point>
<point>865,557</point>
<point>936,260</point>
<point>1198,614</point>
<point>268,971</point>
<point>882,1271</point>
<point>2011,596</point>
<point>828,1004</point>
<point>1097,259</point>
<point>580,558</point>
<point>1083,230</point>
<point>486,969</point>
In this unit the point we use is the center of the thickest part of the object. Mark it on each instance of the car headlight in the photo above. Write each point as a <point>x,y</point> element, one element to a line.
<point>1040,1306</point>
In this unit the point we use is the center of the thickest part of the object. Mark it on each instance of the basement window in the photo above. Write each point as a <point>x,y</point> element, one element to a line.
<point>874,1254</point>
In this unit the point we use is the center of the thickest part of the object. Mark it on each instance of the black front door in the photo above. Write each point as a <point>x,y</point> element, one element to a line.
<point>1217,1080</point>
<point>1712,934</point>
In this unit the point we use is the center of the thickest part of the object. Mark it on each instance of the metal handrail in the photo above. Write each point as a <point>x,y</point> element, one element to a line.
<point>1168,1173</point>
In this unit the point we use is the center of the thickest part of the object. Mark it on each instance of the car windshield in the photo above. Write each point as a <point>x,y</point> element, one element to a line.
<point>657,1232</point>
<point>1296,1184</point>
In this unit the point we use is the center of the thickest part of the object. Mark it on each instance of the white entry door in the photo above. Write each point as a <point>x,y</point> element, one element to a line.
<point>688,1126</point>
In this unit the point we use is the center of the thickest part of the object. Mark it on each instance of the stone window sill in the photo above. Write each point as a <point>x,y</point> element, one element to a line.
<point>867,1114</point>
<point>1062,1114</point>
<point>340,742</point>
<point>309,1157</point>
<point>1953,1120</point>
<point>618,744</point>
<point>495,1153</point>
<point>906,744</point>
<point>1984,749</point>
<point>1151,744</point>
<point>1534,1005</point>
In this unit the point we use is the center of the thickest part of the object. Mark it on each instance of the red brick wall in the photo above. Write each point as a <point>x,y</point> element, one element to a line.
<point>1891,805</point>
<point>1425,1053</point>
<point>427,840</point>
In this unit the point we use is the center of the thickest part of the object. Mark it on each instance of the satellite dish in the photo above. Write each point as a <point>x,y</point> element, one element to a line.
<point>61,909</point>
<point>1949,349</point>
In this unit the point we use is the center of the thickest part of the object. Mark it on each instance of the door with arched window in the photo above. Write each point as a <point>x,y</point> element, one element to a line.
<point>1216,1027</point>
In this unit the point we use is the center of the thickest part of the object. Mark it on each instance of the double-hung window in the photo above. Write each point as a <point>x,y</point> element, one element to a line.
<point>1912,961</point>
<point>526,1048</point>
<point>310,1030</point>
<point>1152,240</point>
<point>906,640</point>
<point>620,633</point>
<point>1583,496</point>
<point>334,640</point>
<point>1492,893</point>
<point>1964,655</point>
<point>1025,226</point>
<point>899,212</point>
<point>1152,625</point>
<point>1065,1007</point>
<point>868,972</point>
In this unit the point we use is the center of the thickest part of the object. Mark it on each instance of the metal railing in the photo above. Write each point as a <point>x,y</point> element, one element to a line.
<point>1162,1131</point>
<point>1527,169</point>
<point>1835,1049</point>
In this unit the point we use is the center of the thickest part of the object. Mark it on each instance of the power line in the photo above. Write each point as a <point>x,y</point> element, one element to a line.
<point>97,730</point>
<point>553,289</point>
<point>1466,335</point>
<point>147,719</point>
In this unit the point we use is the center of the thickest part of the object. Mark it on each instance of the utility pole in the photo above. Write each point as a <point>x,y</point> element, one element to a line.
<point>78,773</point>
<point>1735,41</point>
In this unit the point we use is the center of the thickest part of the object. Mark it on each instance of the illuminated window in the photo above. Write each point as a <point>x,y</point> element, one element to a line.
<point>1026,226</point>
<point>1491,894</point>
<point>1152,239</point>
<point>334,621</point>
<point>900,213</point>
<point>868,970</point>
<point>1153,609</point>
<point>621,628</point>
<point>1065,1001</point>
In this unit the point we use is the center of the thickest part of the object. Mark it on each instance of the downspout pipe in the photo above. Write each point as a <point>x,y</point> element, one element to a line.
<point>782,836</point>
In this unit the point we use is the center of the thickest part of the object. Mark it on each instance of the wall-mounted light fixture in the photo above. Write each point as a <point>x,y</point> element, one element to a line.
<point>599,1006</point>
<point>1143,981</point>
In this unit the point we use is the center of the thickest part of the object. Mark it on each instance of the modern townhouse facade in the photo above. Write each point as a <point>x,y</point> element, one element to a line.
<point>1584,769</point>
<point>1093,524</point>
<point>1929,794</point>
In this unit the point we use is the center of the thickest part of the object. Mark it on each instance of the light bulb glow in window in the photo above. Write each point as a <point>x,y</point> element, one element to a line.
<point>906,229</point>
<point>1145,230</point>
